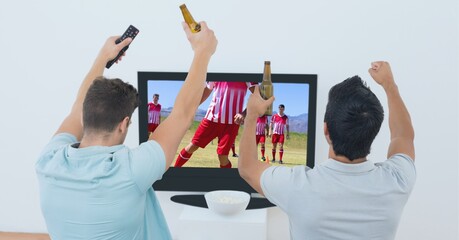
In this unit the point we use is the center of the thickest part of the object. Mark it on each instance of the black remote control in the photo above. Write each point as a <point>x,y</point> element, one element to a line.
<point>131,32</point>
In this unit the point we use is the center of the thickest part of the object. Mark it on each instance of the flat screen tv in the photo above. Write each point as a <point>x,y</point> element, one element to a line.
<point>297,92</point>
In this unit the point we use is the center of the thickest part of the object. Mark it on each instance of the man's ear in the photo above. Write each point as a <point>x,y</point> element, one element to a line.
<point>123,126</point>
<point>326,133</point>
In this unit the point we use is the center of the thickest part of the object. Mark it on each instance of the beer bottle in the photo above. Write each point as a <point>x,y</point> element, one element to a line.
<point>266,87</point>
<point>194,26</point>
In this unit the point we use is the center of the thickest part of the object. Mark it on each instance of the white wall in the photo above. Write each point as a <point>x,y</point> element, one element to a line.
<point>47,47</point>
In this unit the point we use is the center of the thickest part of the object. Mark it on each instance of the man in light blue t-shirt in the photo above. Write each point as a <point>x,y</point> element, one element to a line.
<point>347,196</point>
<point>94,187</point>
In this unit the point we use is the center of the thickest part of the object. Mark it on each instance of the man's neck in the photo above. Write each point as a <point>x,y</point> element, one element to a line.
<point>103,139</point>
<point>347,161</point>
<point>344,159</point>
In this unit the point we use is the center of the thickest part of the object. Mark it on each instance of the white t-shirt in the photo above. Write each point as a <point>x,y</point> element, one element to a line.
<point>342,201</point>
<point>227,100</point>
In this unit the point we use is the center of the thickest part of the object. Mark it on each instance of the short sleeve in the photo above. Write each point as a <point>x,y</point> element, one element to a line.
<point>275,182</point>
<point>403,169</point>
<point>56,143</point>
<point>147,163</point>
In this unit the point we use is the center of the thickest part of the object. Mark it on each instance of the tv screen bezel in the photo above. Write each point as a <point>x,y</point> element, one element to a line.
<point>191,179</point>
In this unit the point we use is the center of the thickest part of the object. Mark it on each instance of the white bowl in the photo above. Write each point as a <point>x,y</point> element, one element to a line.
<point>226,202</point>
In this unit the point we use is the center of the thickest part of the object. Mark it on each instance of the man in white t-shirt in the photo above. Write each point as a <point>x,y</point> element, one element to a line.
<point>279,122</point>
<point>260,134</point>
<point>347,196</point>
<point>224,114</point>
<point>154,114</point>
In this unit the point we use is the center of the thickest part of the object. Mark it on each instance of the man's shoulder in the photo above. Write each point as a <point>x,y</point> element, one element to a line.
<point>277,182</point>
<point>56,147</point>
<point>145,150</point>
<point>284,170</point>
<point>400,160</point>
<point>57,142</point>
<point>401,168</point>
<point>234,85</point>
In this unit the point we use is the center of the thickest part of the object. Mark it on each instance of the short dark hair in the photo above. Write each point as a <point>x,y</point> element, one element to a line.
<point>281,106</point>
<point>107,103</point>
<point>354,116</point>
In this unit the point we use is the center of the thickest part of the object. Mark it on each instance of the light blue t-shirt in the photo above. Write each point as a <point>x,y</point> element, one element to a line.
<point>335,200</point>
<point>101,192</point>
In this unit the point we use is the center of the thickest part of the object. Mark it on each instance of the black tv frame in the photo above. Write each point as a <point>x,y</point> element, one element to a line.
<point>192,179</point>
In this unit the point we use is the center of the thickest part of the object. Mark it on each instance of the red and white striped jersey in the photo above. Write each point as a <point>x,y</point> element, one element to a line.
<point>279,122</point>
<point>261,125</point>
<point>154,113</point>
<point>227,100</point>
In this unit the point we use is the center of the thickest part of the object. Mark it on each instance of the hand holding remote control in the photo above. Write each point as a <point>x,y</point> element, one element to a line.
<point>131,32</point>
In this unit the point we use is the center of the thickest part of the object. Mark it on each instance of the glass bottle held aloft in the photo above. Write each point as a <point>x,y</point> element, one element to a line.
<point>194,26</point>
<point>266,87</point>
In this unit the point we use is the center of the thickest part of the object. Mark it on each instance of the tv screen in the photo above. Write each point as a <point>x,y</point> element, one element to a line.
<point>202,172</point>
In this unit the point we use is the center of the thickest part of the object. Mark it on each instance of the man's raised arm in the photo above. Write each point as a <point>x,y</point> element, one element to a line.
<point>249,167</point>
<point>72,123</point>
<point>171,131</point>
<point>401,129</point>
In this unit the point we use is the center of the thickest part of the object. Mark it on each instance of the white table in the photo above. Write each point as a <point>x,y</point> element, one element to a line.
<point>202,224</point>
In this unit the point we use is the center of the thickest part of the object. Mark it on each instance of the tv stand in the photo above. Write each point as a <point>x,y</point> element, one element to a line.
<point>200,223</point>
<point>198,200</point>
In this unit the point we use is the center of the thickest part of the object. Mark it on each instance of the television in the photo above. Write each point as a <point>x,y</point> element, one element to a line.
<point>297,92</point>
